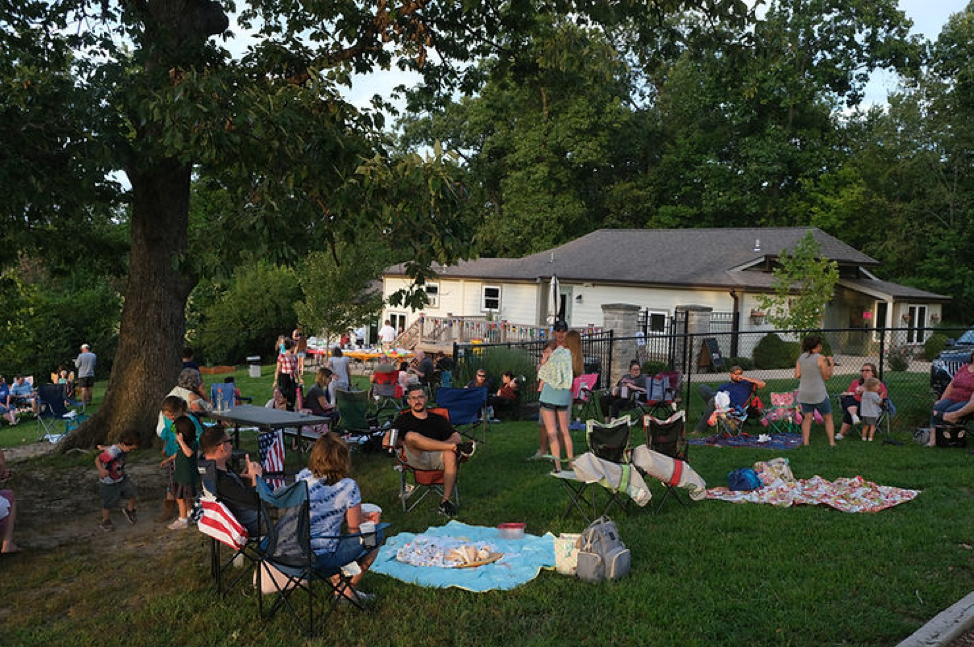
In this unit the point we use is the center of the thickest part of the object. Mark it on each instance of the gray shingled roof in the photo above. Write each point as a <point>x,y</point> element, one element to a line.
<point>684,257</point>
<point>895,290</point>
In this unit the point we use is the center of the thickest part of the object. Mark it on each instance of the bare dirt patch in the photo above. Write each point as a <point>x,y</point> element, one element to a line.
<point>57,506</point>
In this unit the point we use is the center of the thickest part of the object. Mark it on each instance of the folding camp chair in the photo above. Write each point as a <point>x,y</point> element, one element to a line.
<point>585,402</point>
<point>51,407</point>
<point>222,396</point>
<point>287,562</point>
<point>387,395</point>
<point>608,442</point>
<point>423,481</point>
<point>783,416</point>
<point>663,394</point>
<point>467,410</point>
<point>667,437</point>
<point>217,521</point>
<point>354,414</point>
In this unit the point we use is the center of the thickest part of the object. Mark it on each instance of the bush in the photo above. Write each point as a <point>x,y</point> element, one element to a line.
<point>652,368</point>
<point>743,362</point>
<point>773,352</point>
<point>898,358</point>
<point>934,345</point>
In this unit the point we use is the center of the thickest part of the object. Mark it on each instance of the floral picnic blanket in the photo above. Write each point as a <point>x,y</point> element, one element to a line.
<point>844,494</point>
<point>764,441</point>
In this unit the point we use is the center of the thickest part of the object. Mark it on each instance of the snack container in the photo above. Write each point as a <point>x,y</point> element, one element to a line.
<point>511,530</point>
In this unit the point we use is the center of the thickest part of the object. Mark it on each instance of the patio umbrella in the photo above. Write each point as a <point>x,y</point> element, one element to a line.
<point>554,300</point>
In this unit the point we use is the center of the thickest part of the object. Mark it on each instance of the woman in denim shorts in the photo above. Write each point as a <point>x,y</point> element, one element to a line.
<point>812,370</point>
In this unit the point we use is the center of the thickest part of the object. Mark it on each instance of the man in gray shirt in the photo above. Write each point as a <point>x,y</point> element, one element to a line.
<point>86,372</point>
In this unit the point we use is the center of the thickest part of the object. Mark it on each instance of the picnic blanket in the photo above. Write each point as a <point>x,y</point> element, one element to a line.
<point>764,441</point>
<point>854,494</point>
<point>522,561</point>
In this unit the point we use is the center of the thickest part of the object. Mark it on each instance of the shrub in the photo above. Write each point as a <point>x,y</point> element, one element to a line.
<point>743,362</point>
<point>934,345</point>
<point>773,352</point>
<point>652,368</point>
<point>898,358</point>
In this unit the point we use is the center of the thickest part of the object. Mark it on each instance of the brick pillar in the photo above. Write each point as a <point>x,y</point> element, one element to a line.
<point>623,320</point>
<point>698,324</point>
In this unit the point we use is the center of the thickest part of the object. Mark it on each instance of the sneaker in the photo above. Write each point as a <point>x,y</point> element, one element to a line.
<point>536,456</point>
<point>179,524</point>
<point>864,438</point>
<point>447,508</point>
<point>855,419</point>
<point>467,449</point>
<point>106,525</point>
<point>129,516</point>
<point>839,436</point>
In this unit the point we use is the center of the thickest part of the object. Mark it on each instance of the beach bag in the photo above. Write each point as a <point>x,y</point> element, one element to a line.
<point>601,553</point>
<point>744,479</point>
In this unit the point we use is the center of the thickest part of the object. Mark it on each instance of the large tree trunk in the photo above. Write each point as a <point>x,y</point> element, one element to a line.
<point>150,339</point>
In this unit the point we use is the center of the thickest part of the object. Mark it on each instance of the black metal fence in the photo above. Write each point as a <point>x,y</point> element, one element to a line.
<point>903,358</point>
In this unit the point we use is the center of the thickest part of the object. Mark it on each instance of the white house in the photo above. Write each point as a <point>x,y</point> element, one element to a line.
<point>660,269</point>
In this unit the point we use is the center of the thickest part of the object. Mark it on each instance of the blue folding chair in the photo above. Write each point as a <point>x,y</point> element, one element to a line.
<point>467,409</point>
<point>51,407</point>
<point>222,396</point>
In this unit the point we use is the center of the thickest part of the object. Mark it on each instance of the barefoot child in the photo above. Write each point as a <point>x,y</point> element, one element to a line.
<point>113,483</point>
<point>185,475</point>
<point>871,407</point>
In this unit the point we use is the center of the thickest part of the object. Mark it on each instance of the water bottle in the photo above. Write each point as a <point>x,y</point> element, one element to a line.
<point>393,440</point>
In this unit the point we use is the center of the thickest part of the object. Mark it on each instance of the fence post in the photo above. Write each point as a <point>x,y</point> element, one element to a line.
<point>608,381</point>
<point>882,354</point>
<point>688,363</point>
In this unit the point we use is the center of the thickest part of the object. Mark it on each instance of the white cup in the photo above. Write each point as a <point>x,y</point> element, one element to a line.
<point>367,529</point>
<point>625,392</point>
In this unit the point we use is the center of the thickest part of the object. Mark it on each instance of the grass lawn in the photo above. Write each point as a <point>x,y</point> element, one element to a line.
<point>714,573</point>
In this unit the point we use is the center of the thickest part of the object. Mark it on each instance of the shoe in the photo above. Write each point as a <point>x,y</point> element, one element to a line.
<point>106,525</point>
<point>363,596</point>
<point>179,524</point>
<point>839,436</point>
<point>129,516</point>
<point>870,440</point>
<point>467,449</point>
<point>864,438</point>
<point>855,419</point>
<point>447,508</point>
<point>493,421</point>
<point>536,456</point>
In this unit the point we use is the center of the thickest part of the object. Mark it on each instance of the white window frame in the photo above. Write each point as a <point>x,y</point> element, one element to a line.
<point>483,298</point>
<point>649,320</point>
<point>432,298</point>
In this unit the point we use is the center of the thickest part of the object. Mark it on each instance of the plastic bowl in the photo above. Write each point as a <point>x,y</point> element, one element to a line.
<point>511,530</point>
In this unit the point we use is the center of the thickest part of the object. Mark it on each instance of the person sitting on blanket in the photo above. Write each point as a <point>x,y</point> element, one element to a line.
<point>739,389</point>
<point>430,443</point>
<point>334,498</point>
<point>22,394</point>
<point>629,387</point>
<point>237,492</point>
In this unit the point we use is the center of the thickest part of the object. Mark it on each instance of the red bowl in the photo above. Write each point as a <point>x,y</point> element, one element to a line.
<point>511,530</point>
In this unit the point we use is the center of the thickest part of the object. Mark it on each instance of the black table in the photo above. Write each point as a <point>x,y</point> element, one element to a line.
<point>248,415</point>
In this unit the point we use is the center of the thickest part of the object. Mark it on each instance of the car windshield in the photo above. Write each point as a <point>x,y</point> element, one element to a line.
<point>967,337</point>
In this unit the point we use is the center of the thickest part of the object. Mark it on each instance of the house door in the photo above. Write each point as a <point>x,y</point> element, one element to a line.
<point>915,327</point>
<point>398,321</point>
<point>565,302</point>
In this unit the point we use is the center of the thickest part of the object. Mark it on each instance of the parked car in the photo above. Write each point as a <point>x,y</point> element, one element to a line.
<point>957,353</point>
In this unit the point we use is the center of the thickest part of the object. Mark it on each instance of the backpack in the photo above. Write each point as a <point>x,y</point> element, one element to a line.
<point>743,479</point>
<point>601,553</point>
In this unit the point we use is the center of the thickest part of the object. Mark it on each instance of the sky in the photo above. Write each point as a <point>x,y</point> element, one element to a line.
<point>928,17</point>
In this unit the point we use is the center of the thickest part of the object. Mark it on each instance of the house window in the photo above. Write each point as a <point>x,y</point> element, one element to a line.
<point>656,322</point>
<point>432,294</point>
<point>916,322</point>
<point>491,298</point>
